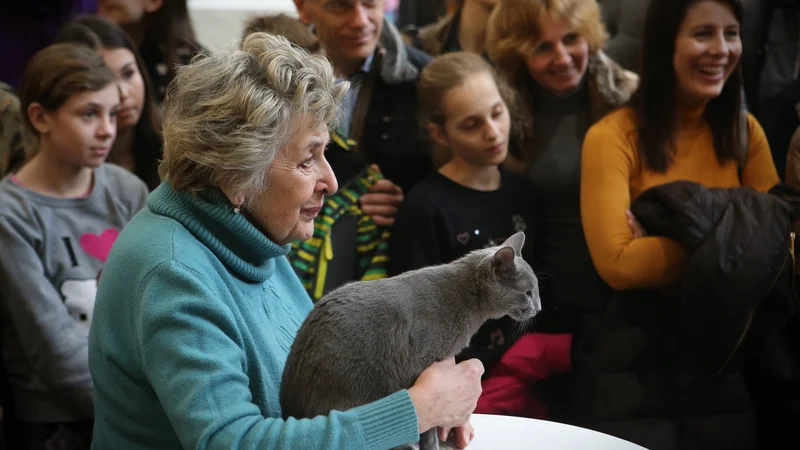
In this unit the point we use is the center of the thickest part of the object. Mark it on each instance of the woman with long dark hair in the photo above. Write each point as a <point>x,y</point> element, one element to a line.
<point>685,123</point>
<point>162,31</point>
<point>138,144</point>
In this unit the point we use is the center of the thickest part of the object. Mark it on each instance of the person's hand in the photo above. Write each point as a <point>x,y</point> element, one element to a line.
<point>636,228</point>
<point>446,393</point>
<point>382,201</point>
<point>459,436</point>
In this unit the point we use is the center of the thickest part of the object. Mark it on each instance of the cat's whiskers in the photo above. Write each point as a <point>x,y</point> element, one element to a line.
<point>544,275</point>
<point>528,325</point>
<point>519,331</point>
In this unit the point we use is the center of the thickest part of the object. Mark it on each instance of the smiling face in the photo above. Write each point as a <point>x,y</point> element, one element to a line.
<point>131,85</point>
<point>81,131</point>
<point>707,48</point>
<point>348,29</point>
<point>297,182</point>
<point>560,58</point>
<point>476,122</point>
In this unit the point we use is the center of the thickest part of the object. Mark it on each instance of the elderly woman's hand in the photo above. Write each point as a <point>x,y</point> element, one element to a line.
<point>446,393</point>
<point>459,436</point>
<point>382,202</point>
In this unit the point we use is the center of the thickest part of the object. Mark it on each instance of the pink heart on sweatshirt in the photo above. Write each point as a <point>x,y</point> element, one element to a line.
<point>99,246</point>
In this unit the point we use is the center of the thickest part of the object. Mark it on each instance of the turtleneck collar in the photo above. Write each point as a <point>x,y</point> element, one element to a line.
<point>546,102</point>
<point>209,216</point>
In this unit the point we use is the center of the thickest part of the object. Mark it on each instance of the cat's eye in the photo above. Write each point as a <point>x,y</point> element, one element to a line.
<point>529,293</point>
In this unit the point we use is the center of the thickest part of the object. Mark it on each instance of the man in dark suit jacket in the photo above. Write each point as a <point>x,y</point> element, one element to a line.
<point>380,110</point>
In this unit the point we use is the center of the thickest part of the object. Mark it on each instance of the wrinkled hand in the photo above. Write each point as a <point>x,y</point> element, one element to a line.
<point>461,436</point>
<point>446,393</point>
<point>636,228</point>
<point>382,201</point>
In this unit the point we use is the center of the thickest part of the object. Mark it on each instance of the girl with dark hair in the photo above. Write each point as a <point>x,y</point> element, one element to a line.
<point>162,31</point>
<point>686,122</point>
<point>138,144</point>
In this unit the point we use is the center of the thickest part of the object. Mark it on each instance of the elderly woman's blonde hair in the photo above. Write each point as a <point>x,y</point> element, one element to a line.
<point>227,114</point>
<point>515,30</point>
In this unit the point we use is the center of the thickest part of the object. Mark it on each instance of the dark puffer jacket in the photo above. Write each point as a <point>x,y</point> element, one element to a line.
<point>678,370</point>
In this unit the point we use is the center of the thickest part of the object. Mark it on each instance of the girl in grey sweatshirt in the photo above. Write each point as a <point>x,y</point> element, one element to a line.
<point>60,214</point>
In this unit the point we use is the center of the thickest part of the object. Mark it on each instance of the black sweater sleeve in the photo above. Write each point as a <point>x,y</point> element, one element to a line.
<point>415,239</point>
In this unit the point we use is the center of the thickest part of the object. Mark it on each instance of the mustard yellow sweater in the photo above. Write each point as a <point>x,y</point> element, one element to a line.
<point>613,175</point>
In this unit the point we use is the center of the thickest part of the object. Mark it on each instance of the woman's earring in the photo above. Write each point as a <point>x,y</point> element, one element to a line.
<point>237,209</point>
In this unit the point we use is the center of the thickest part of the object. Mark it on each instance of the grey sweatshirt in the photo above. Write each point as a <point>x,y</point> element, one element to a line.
<point>51,253</point>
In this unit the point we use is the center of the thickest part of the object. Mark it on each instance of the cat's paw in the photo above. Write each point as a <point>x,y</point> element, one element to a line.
<point>429,440</point>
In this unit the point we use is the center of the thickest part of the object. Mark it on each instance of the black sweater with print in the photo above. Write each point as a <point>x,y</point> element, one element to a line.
<point>441,220</point>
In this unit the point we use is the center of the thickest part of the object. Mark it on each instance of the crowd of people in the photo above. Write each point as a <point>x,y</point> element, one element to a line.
<point>169,215</point>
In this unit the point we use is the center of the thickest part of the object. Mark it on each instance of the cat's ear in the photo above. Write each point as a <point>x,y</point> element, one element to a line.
<point>516,242</point>
<point>503,260</point>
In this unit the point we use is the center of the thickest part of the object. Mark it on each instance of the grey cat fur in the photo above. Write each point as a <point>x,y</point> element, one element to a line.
<point>367,340</point>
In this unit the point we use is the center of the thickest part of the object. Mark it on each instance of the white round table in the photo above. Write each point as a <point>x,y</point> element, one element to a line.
<point>518,433</point>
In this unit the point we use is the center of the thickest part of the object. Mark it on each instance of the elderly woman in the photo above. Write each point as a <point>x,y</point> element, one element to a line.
<point>197,306</point>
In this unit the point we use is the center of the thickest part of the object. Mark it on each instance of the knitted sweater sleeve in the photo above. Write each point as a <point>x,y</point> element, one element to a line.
<point>623,262</point>
<point>194,362</point>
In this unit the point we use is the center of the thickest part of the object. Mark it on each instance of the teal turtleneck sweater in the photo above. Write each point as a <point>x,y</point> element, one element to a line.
<point>195,314</point>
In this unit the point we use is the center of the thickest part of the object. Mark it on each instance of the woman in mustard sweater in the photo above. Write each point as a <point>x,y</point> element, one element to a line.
<point>686,122</point>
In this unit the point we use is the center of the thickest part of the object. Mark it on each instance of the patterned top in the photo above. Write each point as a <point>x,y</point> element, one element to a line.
<point>314,261</point>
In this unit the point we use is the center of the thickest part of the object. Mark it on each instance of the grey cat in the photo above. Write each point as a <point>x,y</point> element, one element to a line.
<point>367,340</point>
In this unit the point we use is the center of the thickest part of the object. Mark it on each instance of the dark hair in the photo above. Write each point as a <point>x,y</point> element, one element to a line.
<point>655,104</point>
<point>170,27</point>
<point>55,74</point>
<point>96,33</point>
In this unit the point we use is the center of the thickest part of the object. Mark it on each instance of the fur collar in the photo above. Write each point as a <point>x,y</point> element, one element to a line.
<point>395,65</point>
<point>614,84</point>
<point>434,36</point>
